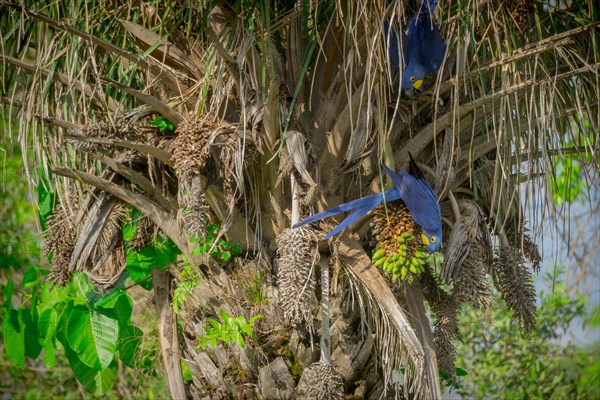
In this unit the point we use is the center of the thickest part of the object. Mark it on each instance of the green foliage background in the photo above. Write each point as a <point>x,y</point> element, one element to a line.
<point>502,363</point>
<point>43,355</point>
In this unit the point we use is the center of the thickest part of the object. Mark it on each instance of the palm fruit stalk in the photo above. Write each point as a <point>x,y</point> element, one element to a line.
<point>399,251</point>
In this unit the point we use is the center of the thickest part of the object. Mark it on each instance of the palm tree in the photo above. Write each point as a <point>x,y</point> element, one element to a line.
<point>281,109</point>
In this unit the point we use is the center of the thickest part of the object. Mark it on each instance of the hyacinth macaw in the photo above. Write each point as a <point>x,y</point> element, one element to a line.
<point>416,193</point>
<point>423,48</point>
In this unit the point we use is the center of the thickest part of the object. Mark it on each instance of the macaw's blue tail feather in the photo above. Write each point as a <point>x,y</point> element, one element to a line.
<point>348,220</point>
<point>359,207</point>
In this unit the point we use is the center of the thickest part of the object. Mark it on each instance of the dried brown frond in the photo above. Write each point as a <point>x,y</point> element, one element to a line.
<point>382,316</point>
<point>297,257</point>
<point>192,214</point>
<point>118,129</point>
<point>286,165</point>
<point>253,113</point>
<point>514,281</point>
<point>306,172</point>
<point>320,381</point>
<point>230,152</point>
<point>61,236</point>
<point>107,260</point>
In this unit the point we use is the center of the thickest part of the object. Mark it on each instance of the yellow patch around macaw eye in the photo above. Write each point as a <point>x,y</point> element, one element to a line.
<point>433,239</point>
<point>412,78</point>
<point>425,239</point>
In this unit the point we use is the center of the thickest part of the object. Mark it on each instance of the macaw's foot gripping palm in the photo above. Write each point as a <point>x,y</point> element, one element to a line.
<point>399,251</point>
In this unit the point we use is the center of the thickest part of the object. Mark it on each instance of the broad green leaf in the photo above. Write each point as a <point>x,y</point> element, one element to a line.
<point>204,247</point>
<point>9,289</point>
<point>225,255</point>
<point>108,300</point>
<point>130,227</point>
<point>185,371</point>
<point>93,335</point>
<point>47,335</point>
<point>29,278</point>
<point>236,249</point>
<point>61,328</point>
<point>30,322</point>
<point>130,346</point>
<point>13,332</point>
<point>51,294</point>
<point>212,229</point>
<point>46,199</point>
<point>140,264</point>
<point>49,354</point>
<point>122,305</point>
<point>97,382</point>
<point>129,231</point>
<point>81,287</point>
<point>166,253</point>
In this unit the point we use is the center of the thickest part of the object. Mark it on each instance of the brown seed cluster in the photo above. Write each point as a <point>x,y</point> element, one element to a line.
<point>192,214</point>
<point>445,334</point>
<point>444,308</point>
<point>516,285</point>
<point>470,285</point>
<point>390,221</point>
<point>520,9</point>
<point>297,257</point>
<point>119,129</point>
<point>320,381</point>
<point>60,239</point>
<point>191,147</point>
<point>468,256</point>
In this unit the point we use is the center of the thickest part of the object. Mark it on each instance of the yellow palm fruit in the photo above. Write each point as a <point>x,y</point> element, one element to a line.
<point>378,254</point>
<point>403,273</point>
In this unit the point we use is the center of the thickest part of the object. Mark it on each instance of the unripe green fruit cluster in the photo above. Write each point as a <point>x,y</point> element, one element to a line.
<point>401,265</point>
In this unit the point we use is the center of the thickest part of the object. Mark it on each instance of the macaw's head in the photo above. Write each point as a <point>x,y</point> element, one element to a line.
<point>432,240</point>
<point>413,75</point>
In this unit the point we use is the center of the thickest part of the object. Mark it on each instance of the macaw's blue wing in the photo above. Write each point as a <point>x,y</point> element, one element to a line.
<point>424,38</point>
<point>358,207</point>
<point>391,38</point>
<point>433,48</point>
<point>419,197</point>
<point>426,45</point>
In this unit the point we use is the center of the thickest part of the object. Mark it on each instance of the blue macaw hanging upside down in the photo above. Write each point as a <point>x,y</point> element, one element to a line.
<point>423,47</point>
<point>412,189</point>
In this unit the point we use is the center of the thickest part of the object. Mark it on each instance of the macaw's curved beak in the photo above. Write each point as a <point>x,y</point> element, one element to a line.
<point>418,84</point>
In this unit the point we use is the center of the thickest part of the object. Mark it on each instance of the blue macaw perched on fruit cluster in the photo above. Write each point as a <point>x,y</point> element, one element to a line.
<point>416,193</point>
<point>423,48</point>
